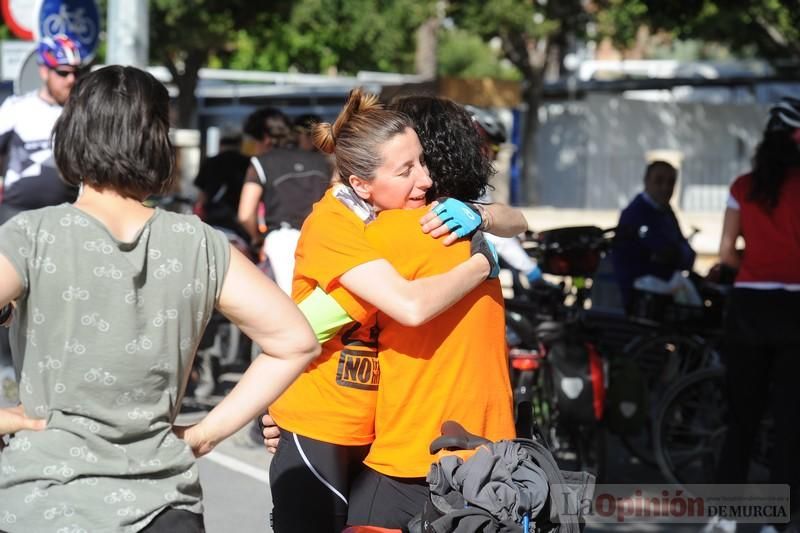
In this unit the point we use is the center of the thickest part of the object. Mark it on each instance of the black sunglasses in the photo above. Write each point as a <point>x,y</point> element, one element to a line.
<point>65,73</point>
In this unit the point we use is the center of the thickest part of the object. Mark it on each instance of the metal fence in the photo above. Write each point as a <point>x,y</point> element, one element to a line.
<point>592,153</point>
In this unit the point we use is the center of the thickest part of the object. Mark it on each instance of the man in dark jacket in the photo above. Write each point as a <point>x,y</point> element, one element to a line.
<point>649,240</point>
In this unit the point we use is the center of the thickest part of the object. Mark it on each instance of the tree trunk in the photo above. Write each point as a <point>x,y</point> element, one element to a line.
<point>425,57</point>
<point>186,82</point>
<point>532,95</point>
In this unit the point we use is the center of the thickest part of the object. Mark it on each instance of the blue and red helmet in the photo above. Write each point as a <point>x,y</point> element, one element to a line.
<point>60,50</point>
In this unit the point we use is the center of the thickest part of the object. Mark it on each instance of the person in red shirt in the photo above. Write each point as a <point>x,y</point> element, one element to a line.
<point>762,330</point>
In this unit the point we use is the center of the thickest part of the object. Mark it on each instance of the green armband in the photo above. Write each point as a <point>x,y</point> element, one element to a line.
<point>324,314</point>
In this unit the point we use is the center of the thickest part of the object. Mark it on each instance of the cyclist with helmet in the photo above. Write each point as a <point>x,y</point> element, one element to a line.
<point>31,178</point>
<point>493,133</point>
<point>26,121</point>
<point>761,346</point>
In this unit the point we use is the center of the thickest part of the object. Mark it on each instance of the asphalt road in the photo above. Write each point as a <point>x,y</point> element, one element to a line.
<point>237,495</point>
<point>236,488</point>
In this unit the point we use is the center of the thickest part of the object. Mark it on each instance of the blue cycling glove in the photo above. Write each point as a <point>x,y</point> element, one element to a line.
<point>535,274</point>
<point>479,245</point>
<point>459,217</point>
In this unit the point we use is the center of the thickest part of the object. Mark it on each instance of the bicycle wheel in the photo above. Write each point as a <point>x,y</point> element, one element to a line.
<point>666,357</point>
<point>591,448</point>
<point>542,409</point>
<point>690,427</point>
<point>661,360</point>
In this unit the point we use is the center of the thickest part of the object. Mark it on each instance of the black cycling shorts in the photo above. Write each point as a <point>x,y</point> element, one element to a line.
<point>385,501</point>
<point>310,482</point>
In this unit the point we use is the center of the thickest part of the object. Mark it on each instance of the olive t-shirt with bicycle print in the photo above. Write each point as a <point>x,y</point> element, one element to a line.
<point>103,340</point>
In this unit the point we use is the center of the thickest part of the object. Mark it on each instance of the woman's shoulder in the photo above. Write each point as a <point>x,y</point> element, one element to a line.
<point>399,217</point>
<point>43,216</point>
<point>331,211</point>
<point>180,220</point>
<point>794,176</point>
<point>186,227</point>
<point>741,186</point>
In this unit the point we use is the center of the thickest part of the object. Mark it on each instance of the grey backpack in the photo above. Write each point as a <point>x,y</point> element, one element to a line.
<point>567,494</point>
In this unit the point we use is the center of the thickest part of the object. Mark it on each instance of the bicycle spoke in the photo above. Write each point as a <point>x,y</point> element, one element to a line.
<point>691,432</point>
<point>681,459</point>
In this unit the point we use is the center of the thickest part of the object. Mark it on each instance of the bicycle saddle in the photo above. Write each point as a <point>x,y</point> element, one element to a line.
<point>549,331</point>
<point>455,437</point>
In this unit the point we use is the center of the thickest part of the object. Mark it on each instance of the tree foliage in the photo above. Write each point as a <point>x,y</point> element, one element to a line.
<point>303,35</point>
<point>465,54</point>
<point>354,35</point>
<point>186,34</point>
<point>769,29</point>
<point>534,35</point>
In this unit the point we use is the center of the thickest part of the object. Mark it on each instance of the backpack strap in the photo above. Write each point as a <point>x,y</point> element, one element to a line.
<point>565,518</point>
<point>262,176</point>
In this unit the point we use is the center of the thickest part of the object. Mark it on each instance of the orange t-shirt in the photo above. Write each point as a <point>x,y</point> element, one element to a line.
<point>452,368</point>
<point>334,399</point>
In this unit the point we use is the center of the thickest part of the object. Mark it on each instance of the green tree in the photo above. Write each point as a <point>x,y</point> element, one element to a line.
<point>769,29</point>
<point>186,34</point>
<point>302,35</point>
<point>464,54</point>
<point>353,35</point>
<point>534,36</point>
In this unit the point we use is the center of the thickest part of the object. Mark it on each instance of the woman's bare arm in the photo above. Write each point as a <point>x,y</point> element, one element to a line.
<point>731,229</point>
<point>504,220</point>
<point>248,205</point>
<point>268,316</point>
<point>10,282</point>
<point>412,303</point>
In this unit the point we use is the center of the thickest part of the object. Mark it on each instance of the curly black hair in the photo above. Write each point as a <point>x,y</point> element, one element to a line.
<point>454,151</point>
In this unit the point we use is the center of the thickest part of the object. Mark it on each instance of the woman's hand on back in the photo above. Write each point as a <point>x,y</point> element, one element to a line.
<point>13,419</point>
<point>194,437</point>
<point>271,433</point>
<point>451,218</point>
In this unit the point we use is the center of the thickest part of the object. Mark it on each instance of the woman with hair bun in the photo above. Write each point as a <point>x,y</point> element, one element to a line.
<point>432,373</point>
<point>327,416</point>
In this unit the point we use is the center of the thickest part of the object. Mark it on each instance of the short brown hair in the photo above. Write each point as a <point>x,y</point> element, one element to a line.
<point>663,165</point>
<point>356,137</point>
<point>114,133</point>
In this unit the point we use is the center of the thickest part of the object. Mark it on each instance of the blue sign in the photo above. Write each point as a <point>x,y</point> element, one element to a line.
<point>78,19</point>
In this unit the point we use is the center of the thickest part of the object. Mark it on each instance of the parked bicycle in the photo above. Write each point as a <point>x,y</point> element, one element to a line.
<point>689,429</point>
<point>557,373</point>
<point>558,339</point>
